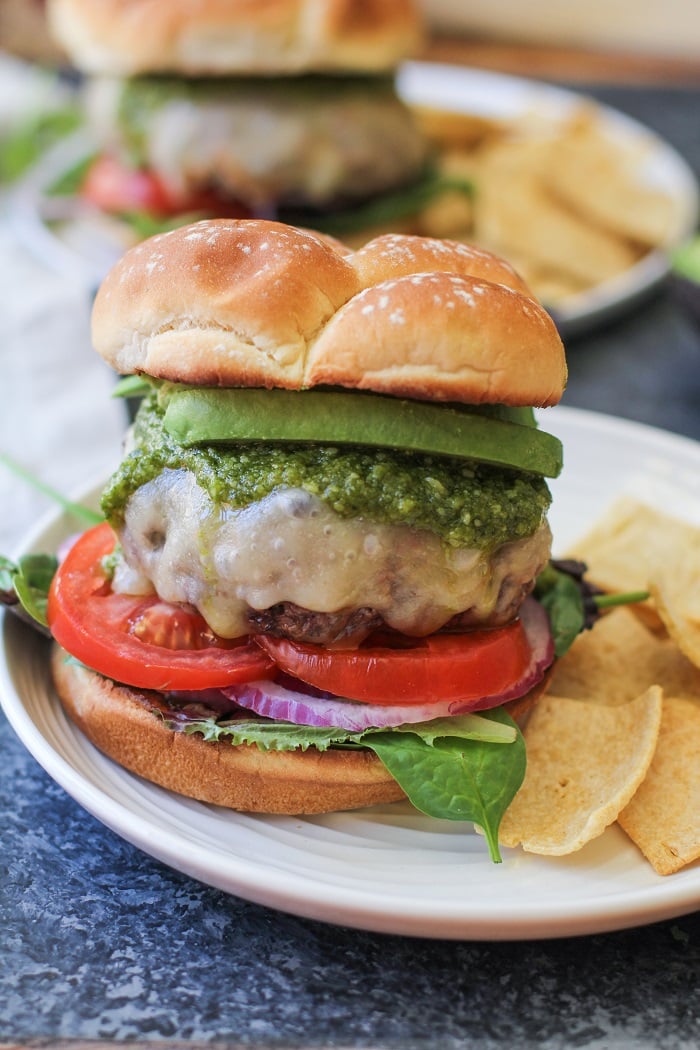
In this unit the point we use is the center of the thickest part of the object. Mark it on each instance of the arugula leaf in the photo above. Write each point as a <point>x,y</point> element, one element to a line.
<point>27,582</point>
<point>70,181</point>
<point>456,779</point>
<point>133,386</point>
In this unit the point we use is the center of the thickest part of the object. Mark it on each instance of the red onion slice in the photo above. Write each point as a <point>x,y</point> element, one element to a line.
<point>273,700</point>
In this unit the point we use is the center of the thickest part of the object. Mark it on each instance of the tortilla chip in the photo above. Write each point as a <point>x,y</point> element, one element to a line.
<point>628,546</point>
<point>610,664</point>
<point>675,589</point>
<point>585,762</point>
<point>450,129</point>
<point>516,215</point>
<point>663,817</point>
<point>620,658</point>
<point>603,180</point>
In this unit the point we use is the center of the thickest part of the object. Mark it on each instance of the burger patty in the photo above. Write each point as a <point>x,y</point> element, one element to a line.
<point>294,141</point>
<point>288,564</point>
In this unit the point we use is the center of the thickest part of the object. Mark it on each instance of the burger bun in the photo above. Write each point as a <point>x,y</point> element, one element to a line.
<point>259,303</point>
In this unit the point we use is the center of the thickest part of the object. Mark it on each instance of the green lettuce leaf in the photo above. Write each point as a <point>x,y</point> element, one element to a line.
<point>450,768</point>
<point>27,582</point>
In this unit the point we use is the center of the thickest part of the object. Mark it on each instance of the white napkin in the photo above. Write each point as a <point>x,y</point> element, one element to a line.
<point>57,416</point>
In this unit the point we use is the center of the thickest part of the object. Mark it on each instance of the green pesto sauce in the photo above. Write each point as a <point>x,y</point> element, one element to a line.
<point>467,504</point>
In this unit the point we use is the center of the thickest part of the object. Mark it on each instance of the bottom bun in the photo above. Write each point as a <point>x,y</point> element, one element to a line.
<point>125,726</point>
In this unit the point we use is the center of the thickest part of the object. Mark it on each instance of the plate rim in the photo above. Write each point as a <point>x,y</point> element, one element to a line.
<point>360,908</point>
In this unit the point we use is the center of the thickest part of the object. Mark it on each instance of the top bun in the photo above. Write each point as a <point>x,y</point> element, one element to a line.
<point>233,37</point>
<point>258,303</point>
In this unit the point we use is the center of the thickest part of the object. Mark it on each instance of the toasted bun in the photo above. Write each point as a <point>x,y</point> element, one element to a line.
<point>258,303</point>
<point>120,723</point>
<point>231,37</point>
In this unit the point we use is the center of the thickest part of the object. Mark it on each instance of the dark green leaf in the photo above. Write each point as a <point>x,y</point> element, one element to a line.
<point>561,596</point>
<point>456,779</point>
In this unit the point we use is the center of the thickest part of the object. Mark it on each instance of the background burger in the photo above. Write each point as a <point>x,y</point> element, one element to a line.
<point>320,548</point>
<point>232,107</point>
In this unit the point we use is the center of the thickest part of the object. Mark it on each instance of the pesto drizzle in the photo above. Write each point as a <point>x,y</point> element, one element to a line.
<point>467,504</point>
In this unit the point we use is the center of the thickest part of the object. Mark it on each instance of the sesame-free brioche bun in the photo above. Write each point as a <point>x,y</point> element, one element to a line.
<point>125,724</point>
<point>259,303</point>
<point>234,37</point>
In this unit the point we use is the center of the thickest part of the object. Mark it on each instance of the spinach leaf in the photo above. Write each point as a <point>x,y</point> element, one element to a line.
<point>560,594</point>
<point>572,602</point>
<point>456,779</point>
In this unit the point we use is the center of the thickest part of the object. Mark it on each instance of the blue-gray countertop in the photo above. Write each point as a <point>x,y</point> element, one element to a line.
<point>97,940</point>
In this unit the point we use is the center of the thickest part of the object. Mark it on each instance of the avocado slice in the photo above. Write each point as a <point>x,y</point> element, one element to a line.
<point>204,415</point>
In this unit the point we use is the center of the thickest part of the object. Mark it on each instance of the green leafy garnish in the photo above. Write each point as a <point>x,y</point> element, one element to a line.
<point>27,582</point>
<point>84,514</point>
<point>456,779</point>
<point>133,386</point>
<point>572,603</point>
<point>466,767</point>
<point>70,181</point>
<point>685,260</point>
<point>25,143</point>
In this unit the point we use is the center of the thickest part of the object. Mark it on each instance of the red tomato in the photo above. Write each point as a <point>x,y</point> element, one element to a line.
<point>113,187</point>
<point>410,671</point>
<point>140,641</point>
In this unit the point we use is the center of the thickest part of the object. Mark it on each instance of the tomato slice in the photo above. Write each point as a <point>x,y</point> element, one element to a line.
<point>114,187</point>
<point>140,640</point>
<point>387,670</point>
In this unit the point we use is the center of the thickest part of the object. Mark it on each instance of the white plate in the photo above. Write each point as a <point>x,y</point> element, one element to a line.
<point>72,237</point>
<point>388,869</point>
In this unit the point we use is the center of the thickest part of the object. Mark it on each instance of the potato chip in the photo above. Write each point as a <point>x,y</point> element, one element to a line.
<point>585,762</point>
<point>663,817</point>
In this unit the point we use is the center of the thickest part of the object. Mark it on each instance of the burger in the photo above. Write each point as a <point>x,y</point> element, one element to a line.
<point>242,108</point>
<point>313,589</point>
